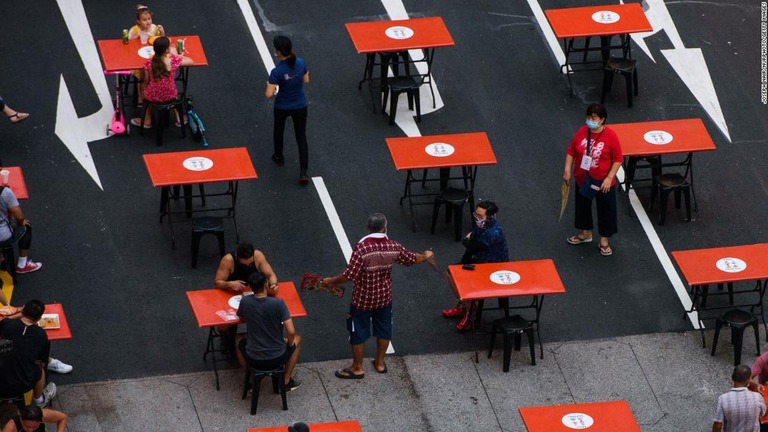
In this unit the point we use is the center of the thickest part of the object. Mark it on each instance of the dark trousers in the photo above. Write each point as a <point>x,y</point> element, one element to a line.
<point>299,117</point>
<point>606,212</point>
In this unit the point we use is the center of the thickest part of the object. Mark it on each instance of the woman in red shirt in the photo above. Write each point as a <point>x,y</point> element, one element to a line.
<point>601,161</point>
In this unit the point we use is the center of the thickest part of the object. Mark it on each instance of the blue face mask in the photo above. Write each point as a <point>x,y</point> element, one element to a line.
<point>592,124</point>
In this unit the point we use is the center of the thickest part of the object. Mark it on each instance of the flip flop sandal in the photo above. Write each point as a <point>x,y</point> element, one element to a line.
<point>605,250</point>
<point>380,371</point>
<point>348,374</point>
<point>20,117</point>
<point>575,240</point>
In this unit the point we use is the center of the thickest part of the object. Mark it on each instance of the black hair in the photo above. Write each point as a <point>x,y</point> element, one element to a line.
<point>257,281</point>
<point>284,46</point>
<point>161,46</point>
<point>741,373</point>
<point>32,412</point>
<point>33,309</point>
<point>244,250</point>
<point>377,223</point>
<point>599,109</point>
<point>298,427</point>
<point>490,207</point>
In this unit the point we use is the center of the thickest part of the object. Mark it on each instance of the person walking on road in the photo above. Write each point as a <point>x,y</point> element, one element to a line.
<point>370,270</point>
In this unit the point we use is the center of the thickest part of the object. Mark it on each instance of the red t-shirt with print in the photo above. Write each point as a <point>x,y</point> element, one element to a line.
<point>605,150</point>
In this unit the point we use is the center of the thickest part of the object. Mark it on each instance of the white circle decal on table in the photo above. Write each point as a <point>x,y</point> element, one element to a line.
<point>399,32</point>
<point>439,149</point>
<point>577,421</point>
<point>731,265</point>
<point>505,277</point>
<point>234,301</point>
<point>146,52</point>
<point>658,137</point>
<point>606,17</point>
<point>198,163</point>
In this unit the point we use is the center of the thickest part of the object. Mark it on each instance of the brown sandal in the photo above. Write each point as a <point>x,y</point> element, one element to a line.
<point>19,117</point>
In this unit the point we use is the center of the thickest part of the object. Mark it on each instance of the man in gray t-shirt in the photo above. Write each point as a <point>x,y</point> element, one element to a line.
<point>9,205</point>
<point>264,346</point>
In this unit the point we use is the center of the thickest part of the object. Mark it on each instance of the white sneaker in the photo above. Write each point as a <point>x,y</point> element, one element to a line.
<point>59,366</point>
<point>49,392</point>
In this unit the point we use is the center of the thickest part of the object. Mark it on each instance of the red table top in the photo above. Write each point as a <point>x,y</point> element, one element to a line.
<point>116,56</point>
<point>199,166</point>
<point>723,264</point>
<point>615,19</point>
<point>16,182</point>
<point>211,307</point>
<point>60,333</point>
<point>399,35</point>
<point>663,137</point>
<point>602,416</point>
<point>342,426</point>
<point>441,151</point>
<point>507,279</point>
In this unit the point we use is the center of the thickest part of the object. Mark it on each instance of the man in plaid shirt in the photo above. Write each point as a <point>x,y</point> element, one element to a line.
<point>739,410</point>
<point>370,270</point>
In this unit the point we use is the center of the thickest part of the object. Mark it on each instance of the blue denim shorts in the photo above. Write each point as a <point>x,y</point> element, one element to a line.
<point>359,324</point>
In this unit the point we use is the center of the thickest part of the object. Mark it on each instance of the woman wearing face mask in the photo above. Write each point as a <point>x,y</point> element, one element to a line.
<point>600,158</point>
<point>486,243</point>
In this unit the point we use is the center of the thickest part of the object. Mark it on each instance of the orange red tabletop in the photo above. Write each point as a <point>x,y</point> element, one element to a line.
<point>199,166</point>
<point>399,35</point>
<point>663,137</point>
<point>63,332</point>
<point>723,264</point>
<point>116,56</point>
<point>214,307</point>
<point>342,426</point>
<point>595,417</point>
<point>16,182</point>
<point>606,20</point>
<point>507,279</point>
<point>441,151</point>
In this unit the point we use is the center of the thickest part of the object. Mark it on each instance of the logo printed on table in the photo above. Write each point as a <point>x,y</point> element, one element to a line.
<point>505,277</point>
<point>399,32</point>
<point>146,52</point>
<point>731,265</point>
<point>439,149</point>
<point>658,137</point>
<point>234,301</point>
<point>577,421</point>
<point>198,163</point>
<point>606,17</point>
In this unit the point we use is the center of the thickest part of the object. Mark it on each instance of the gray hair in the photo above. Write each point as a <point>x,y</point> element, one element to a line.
<point>377,223</point>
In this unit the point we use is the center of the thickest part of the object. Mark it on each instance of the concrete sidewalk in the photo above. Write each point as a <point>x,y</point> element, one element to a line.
<point>669,380</point>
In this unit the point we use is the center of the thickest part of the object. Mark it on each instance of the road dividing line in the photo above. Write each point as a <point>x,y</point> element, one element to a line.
<point>333,217</point>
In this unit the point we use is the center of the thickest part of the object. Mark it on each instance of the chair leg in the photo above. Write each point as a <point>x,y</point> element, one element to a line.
<point>507,352</point>
<point>201,187</point>
<point>159,125</point>
<point>756,328</point>
<point>255,392</point>
<point>457,220</point>
<point>718,325</point>
<point>687,196</point>
<point>435,213</point>
<point>606,85</point>
<point>737,335</point>
<point>628,79</point>
<point>518,340</point>
<point>531,345</point>
<point>283,396</point>
<point>246,382</point>
<point>634,81</point>
<point>654,192</point>
<point>393,107</point>
<point>417,96</point>
<point>180,111</point>
<point>663,206</point>
<point>678,197</point>
<point>493,341</point>
<point>220,237</point>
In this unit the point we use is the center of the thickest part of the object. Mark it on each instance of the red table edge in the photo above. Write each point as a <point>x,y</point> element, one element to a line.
<point>172,38</point>
<point>372,51</point>
<point>235,150</point>
<point>708,281</point>
<point>64,324</point>
<point>456,290</point>
<point>445,137</point>
<point>598,7</point>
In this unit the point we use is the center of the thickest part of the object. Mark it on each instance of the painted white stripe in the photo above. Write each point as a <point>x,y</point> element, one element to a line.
<point>333,217</point>
<point>258,38</point>
<point>546,29</point>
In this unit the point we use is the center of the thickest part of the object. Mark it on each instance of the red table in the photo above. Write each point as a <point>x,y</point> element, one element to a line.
<point>603,21</point>
<point>341,426</point>
<point>465,150</point>
<point>199,167</point>
<point>16,182</point>
<point>398,36</point>
<point>724,265</point>
<point>63,332</point>
<point>211,308</point>
<point>611,416</point>
<point>535,278</point>
<point>117,56</point>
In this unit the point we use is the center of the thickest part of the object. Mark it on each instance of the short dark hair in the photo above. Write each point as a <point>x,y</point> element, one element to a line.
<point>298,427</point>
<point>377,223</point>
<point>257,281</point>
<point>741,373</point>
<point>490,207</point>
<point>32,412</point>
<point>244,250</point>
<point>33,309</point>
<point>599,109</point>
<point>283,45</point>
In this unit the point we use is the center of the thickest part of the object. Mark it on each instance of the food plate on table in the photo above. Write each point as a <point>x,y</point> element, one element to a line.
<point>49,321</point>
<point>146,52</point>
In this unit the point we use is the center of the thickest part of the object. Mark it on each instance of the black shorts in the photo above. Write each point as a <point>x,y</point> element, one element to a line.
<point>270,364</point>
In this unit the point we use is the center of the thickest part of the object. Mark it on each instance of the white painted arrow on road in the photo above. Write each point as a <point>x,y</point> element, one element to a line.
<point>73,131</point>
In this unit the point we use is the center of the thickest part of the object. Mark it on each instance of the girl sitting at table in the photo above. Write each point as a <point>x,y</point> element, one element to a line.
<point>160,71</point>
<point>144,29</point>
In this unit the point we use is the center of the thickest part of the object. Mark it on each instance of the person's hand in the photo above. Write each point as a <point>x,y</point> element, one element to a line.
<point>567,177</point>
<point>326,281</point>
<point>429,254</point>
<point>161,30</point>
<point>606,185</point>
<point>272,290</point>
<point>237,286</point>
<point>27,222</point>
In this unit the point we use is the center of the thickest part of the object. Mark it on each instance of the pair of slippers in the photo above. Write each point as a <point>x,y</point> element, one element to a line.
<point>346,373</point>
<point>18,117</point>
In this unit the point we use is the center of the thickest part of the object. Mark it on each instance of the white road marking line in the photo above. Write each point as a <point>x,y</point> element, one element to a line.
<point>333,217</point>
<point>258,38</point>
<point>546,29</point>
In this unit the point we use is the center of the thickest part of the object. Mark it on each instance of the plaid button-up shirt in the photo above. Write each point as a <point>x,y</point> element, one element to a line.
<point>740,410</point>
<point>370,270</point>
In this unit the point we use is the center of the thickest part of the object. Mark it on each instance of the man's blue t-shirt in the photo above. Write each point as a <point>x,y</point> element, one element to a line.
<point>291,82</point>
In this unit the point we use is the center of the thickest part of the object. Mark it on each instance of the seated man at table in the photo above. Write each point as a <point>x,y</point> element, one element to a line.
<point>234,270</point>
<point>264,346</point>
<point>22,360</point>
<point>739,410</point>
<point>21,231</point>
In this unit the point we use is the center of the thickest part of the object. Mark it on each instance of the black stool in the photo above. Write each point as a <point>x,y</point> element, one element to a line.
<point>625,67</point>
<point>403,84</point>
<point>514,325</point>
<point>454,200</point>
<point>278,385</point>
<point>162,112</point>
<point>737,320</point>
<point>667,183</point>
<point>206,225</point>
<point>9,254</point>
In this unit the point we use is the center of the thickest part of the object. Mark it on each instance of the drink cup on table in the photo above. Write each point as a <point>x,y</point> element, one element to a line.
<point>4,175</point>
<point>144,37</point>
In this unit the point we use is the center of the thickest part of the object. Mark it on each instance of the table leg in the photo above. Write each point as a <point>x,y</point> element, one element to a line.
<point>164,197</point>
<point>233,187</point>
<point>210,348</point>
<point>188,200</point>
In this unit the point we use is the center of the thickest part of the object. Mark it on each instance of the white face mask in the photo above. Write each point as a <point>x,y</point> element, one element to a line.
<point>480,222</point>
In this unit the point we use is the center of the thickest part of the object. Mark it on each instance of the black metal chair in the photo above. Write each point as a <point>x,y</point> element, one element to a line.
<point>624,67</point>
<point>666,184</point>
<point>206,225</point>
<point>513,326</point>
<point>454,200</point>
<point>253,379</point>
<point>161,112</point>
<point>737,320</point>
